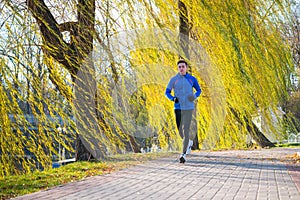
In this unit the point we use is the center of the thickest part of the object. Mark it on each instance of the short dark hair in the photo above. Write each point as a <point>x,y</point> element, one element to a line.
<point>182,61</point>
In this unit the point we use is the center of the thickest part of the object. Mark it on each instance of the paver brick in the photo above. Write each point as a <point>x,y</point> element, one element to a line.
<point>258,174</point>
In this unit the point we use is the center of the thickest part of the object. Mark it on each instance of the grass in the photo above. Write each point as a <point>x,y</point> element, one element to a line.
<point>12,186</point>
<point>288,145</point>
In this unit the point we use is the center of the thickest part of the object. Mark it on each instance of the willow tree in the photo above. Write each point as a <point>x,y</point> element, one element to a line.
<point>245,43</point>
<point>71,54</point>
<point>64,57</point>
<point>246,47</point>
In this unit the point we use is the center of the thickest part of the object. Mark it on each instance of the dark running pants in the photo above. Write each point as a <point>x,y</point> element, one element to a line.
<point>183,122</point>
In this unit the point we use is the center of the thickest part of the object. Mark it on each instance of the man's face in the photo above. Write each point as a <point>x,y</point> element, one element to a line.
<point>182,68</point>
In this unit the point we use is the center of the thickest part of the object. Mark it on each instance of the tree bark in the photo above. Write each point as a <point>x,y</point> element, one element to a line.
<point>257,135</point>
<point>184,30</point>
<point>253,130</point>
<point>53,43</point>
<point>81,154</point>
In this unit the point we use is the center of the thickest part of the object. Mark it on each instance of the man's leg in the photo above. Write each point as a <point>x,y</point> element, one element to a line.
<point>186,116</point>
<point>179,122</point>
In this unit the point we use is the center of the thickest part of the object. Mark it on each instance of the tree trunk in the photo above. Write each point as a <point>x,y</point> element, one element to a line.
<point>257,135</point>
<point>184,30</point>
<point>135,147</point>
<point>253,130</point>
<point>70,55</point>
<point>184,35</point>
<point>81,154</point>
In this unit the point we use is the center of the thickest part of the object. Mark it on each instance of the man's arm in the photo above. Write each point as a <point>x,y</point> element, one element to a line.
<point>168,94</point>
<point>197,87</point>
<point>168,91</point>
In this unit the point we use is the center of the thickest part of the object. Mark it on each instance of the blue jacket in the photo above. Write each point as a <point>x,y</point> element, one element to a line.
<point>183,88</point>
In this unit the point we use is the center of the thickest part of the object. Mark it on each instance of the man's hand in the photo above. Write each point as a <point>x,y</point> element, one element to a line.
<point>191,98</point>
<point>176,100</point>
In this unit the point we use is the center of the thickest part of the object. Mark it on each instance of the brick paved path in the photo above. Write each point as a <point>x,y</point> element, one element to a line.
<point>258,174</point>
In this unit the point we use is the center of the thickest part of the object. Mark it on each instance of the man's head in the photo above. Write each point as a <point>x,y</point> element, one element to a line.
<point>182,67</point>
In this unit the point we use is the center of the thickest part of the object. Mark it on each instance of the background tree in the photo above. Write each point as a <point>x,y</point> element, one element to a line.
<point>292,33</point>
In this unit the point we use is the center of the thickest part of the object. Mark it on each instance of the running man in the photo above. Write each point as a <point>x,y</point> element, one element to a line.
<point>184,96</point>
